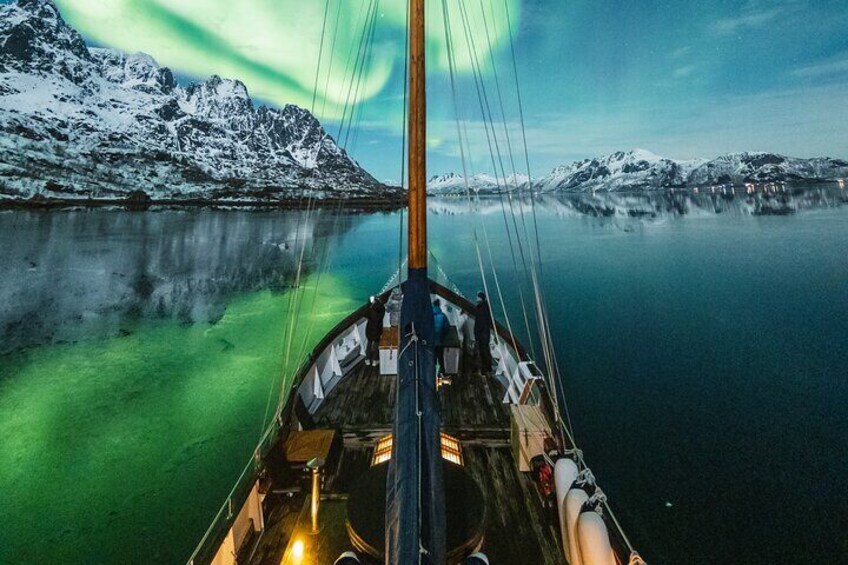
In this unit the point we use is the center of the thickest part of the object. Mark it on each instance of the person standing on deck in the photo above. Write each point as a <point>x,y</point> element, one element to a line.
<point>374,331</point>
<point>483,333</point>
<point>440,322</point>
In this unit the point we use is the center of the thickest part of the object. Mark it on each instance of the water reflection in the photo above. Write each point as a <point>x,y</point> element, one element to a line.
<point>95,273</point>
<point>763,201</point>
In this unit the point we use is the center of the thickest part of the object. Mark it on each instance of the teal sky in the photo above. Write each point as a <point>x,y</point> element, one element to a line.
<point>681,78</point>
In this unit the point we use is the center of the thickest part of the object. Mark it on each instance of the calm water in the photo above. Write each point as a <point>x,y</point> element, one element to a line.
<point>704,360</point>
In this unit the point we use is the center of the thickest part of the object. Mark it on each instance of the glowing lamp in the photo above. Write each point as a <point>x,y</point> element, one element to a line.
<point>298,549</point>
<point>451,450</point>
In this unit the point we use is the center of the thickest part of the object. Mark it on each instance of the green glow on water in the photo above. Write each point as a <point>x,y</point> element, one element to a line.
<point>103,443</point>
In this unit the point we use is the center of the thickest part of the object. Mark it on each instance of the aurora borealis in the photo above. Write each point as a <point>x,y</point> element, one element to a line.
<point>681,79</point>
<point>273,45</point>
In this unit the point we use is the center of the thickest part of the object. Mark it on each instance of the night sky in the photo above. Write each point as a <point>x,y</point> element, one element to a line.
<point>681,78</point>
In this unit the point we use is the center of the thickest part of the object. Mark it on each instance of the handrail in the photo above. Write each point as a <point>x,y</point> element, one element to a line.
<point>254,464</point>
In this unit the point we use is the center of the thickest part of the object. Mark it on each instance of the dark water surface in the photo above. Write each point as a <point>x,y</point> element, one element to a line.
<point>704,359</point>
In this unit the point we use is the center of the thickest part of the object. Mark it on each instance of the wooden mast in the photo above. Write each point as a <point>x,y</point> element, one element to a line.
<point>415,496</point>
<point>417,125</point>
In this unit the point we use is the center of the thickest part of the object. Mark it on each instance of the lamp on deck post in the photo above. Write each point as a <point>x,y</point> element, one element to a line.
<point>315,466</point>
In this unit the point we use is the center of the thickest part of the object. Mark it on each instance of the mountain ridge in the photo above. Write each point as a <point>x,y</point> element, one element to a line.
<point>641,170</point>
<point>87,123</point>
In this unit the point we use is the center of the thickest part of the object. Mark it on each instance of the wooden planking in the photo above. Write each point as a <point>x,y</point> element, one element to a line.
<point>518,528</point>
<point>473,401</point>
<point>282,513</point>
<point>354,462</point>
<point>365,400</point>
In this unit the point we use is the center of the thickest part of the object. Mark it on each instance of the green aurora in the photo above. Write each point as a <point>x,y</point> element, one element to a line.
<point>273,46</point>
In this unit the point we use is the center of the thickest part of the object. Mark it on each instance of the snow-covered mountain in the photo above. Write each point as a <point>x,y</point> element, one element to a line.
<point>640,170</point>
<point>744,168</point>
<point>481,183</point>
<point>632,170</point>
<point>87,123</point>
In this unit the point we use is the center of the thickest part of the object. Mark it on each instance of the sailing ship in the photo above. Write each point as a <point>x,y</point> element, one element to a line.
<point>393,462</point>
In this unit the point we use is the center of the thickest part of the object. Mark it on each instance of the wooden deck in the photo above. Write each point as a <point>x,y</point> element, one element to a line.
<point>519,529</point>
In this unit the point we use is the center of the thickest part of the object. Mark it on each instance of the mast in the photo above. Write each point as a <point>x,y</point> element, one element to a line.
<point>417,124</point>
<point>415,497</point>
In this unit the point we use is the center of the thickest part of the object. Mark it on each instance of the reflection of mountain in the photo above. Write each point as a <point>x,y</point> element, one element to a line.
<point>85,123</point>
<point>643,171</point>
<point>657,204</point>
<point>81,273</point>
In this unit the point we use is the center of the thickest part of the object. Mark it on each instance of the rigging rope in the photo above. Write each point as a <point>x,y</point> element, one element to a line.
<point>297,297</point>
<point>403,182</point>
<point>506,179</point>
<point>349,121</point>
<point>359,54</point>
<point>357,107</point>
<point>542,316</point>
<point>483,102</point>
<point>330,66</point>
<point>452,66</point>
<point>320,53</point>
<point>536,261</point>
<point>533,272</point>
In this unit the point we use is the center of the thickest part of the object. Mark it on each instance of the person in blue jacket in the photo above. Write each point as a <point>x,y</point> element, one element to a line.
<point>441,327</point>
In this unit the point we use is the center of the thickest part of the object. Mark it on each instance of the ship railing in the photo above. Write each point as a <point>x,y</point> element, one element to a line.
<point>510,363</point>
<point>208,547</point>
<point>226,515</point>
<point>578,455</point>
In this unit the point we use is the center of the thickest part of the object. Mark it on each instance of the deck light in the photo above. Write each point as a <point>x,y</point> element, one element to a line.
<point>298,550</point>
<point>451,450</point>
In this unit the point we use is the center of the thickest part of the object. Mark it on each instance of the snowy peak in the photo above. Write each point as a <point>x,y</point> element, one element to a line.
<point>445,178</point>
<point>36,38</point>
<point>102,124</point>
<point>480,183</point>
<point>637,168</point>
<point>217,98</point>
<point>138,72</point>
<point>642,170</point>
<point>763,167</point>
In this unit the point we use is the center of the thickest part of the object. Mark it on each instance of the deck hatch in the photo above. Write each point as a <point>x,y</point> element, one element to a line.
<point>451,450</point>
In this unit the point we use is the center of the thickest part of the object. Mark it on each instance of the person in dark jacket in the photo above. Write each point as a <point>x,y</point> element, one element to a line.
<point>440,322</point>
<point>374,331</point>
<point>483,333</point>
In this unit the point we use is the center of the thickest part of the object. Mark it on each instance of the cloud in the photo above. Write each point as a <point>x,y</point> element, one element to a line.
<point>681,52</point>
<point>748,21</point>
<point>684,71</point>
<point>833,67</point>
<point>803,122</point>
